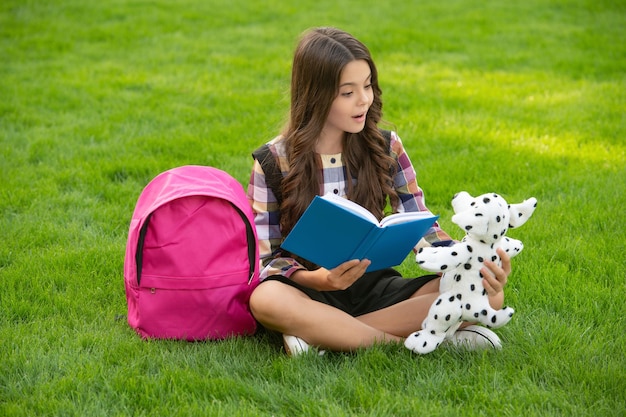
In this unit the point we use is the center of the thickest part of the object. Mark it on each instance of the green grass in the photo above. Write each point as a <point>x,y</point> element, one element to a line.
<point>521,98</point>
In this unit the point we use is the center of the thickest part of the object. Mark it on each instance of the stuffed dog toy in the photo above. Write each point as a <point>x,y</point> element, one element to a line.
<point>485,219</point>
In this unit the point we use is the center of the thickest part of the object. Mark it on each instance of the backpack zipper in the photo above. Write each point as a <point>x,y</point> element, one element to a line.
<point>251,243</point>
<point>249,237</point>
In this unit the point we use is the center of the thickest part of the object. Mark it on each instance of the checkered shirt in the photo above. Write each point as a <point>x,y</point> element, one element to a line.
<point>267,213</point>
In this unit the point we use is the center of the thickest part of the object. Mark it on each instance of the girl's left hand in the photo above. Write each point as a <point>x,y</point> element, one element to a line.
<point>495,278</point>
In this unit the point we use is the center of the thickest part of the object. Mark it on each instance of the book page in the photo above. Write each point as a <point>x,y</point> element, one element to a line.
<point>351,206</point>
<point>404,217</point>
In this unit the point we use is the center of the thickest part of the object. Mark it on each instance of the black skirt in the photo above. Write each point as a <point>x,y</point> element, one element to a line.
<point>373,291</point>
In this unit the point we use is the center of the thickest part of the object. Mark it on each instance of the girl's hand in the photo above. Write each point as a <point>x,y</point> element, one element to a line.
<point>346,274</point>
<point>495,278</point>
<point>338,278</point>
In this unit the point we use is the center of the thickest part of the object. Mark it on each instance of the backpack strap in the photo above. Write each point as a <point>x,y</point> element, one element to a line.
<point>273,175</point>
<point>387,136</point>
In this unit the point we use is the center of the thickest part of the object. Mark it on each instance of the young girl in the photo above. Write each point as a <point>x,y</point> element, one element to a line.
<point>332,144</point>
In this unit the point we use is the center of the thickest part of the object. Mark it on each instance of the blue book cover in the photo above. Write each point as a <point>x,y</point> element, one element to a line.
<point>334,230</point>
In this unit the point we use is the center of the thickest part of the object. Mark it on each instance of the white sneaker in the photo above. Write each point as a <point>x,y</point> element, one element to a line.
<point>475,337</point>
<point>294,346</point>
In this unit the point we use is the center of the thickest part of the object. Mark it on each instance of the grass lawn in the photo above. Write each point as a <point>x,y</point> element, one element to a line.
<point>520,98</point>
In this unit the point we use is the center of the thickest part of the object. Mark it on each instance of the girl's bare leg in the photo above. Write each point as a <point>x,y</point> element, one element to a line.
<point>407,316</point>
<point>287,310</point>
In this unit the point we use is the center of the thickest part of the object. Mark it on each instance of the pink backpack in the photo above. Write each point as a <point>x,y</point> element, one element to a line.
<point>192,257</point>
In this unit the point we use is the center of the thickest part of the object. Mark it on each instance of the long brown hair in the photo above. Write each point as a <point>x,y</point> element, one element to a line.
<point>319,59</point>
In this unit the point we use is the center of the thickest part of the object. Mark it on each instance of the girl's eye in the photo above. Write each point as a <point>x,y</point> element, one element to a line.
<point>347,94</point>
<point>367,87</point>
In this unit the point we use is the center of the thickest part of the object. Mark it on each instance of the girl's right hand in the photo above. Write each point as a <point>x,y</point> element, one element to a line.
<point>338,278</point>
<point>346,274</point>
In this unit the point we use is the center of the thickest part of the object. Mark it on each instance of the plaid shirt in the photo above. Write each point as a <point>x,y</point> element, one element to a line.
<point>267,213</point>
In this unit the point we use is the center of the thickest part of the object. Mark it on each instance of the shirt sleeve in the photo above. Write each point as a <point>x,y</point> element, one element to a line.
<point>267,221</point>
<point>411,195</point>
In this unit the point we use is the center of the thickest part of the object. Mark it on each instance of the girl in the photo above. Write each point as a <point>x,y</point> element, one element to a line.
<point>332,144</point>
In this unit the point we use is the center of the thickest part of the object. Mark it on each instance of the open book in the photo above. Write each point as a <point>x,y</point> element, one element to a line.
<point>334,230</point>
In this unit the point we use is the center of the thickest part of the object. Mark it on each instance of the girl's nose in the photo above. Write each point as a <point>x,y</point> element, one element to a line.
<point>364,97</point>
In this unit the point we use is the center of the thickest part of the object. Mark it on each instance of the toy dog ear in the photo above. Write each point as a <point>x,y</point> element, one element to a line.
<point>469,222</point>
<point>461,201</point>
<point>521,212</point>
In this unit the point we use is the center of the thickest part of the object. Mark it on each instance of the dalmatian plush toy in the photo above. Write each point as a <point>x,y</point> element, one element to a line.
<point>485,219</point>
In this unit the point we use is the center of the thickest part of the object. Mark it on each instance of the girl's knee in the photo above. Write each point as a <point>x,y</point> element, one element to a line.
<point>261,297</point>
<point>271,300</point>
